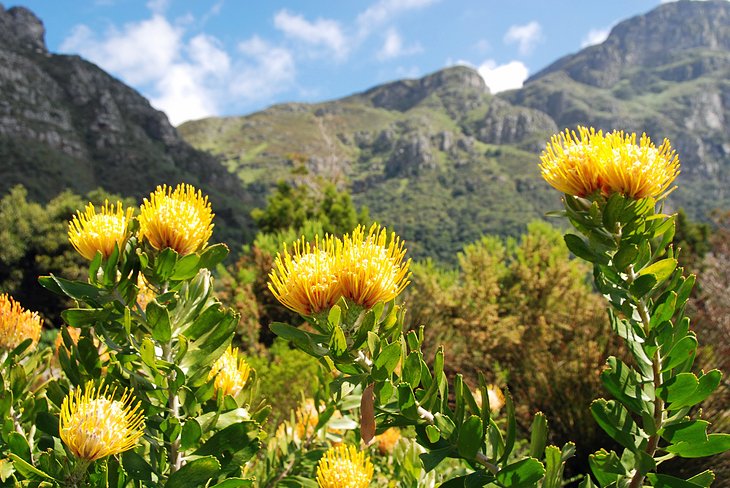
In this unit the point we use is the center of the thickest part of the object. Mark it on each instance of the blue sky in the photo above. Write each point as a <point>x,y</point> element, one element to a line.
<point>196,58</point>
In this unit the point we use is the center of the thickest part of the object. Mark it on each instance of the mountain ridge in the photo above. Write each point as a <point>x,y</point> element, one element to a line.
<point>440,159</point>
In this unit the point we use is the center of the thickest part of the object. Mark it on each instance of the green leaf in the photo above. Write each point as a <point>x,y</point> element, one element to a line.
<point>240,438</point>
<point>642,285</point>
<point>625,385</point>
<point>606,467</point>
<point>136,466</point>
<point>80,317</point>
<point>685,389</point>
<point>74,289</point>
<point>19,446</point>
<point>213,255</point>
<point>703,479</point>
<point>579,248</point>
<point>190,435</point>
<point>625,256</point>
<point>47,423</point>
<point>305,341</point>
<point>386,361</point>
<point>666,481</point>
<point>715,444</point>
<point>165,263</point>
<point>338,342</point>
<point>445,424</point>
<point>159,321</point>
<point>334,316</point>
<point>538,435</point>
<point>433,433</point>
<point>195,473</point>
<point>553,468</point>
<point>28,470</point>
<point>477,479</point>
<point>522,474</point>
<point>411,373</point>
<point>661,270</point>
<point>234,483</point>
<point>185,268</point>
<point>470,437</point>
<point>433,458</point>
<point>407,401</point>
<point>615,420</point>
<point>682,351</point>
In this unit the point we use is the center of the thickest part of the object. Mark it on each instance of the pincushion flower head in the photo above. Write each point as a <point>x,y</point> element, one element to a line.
<point>17,324</point>
<point>95,425</point>
<point>305,280</point>
<point>387,440</point>
<point>584,164</point>
<point>371,267</point>
<point>570,163</point>
<point>344,467</point>
<point>637,170</point>
<point>90,232</point>
<point>230,373</point>
<point>180,219</point>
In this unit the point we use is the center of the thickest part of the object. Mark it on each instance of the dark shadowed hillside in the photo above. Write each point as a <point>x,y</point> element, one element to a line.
<point>65,123</point>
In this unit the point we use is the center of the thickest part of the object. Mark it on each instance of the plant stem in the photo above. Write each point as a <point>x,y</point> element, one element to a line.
<point>173,404</point>
<point>656,365</point>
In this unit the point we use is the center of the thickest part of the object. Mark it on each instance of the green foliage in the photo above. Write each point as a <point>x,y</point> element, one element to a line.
<point>635,268</point>
<point>290,207</point>
<point>285,375</point>
<point>508,297</point>
<point>34,242</point>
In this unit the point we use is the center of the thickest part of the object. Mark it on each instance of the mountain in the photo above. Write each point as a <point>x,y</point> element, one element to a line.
<point>442,160</point>
<point>65,123</point>
<point>666,73</point>
<point>439,159</point>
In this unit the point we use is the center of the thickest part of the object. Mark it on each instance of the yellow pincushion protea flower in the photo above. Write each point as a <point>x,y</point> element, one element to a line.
<point>145,294</point>
<point>369,268</point>
<point>230,373</point>
<point>344,467</point>
<point>90,232</point>
<point>570,163</point>
<point>305,280</point>
<point>17,324</point>
<point>583,164</point>
<point>496,398</point>
<point>180,219</point>
<point>387,440</point>
<point>637,170</point>
<point>73,332</point>
<point>94,425</point>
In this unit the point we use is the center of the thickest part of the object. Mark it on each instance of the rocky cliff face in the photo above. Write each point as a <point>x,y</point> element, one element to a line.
<point>65,123</point>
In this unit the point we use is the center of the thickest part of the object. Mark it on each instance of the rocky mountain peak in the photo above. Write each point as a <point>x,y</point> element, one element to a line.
<point>20,28</point>
<point>667,34</point>
<point>403,95</point>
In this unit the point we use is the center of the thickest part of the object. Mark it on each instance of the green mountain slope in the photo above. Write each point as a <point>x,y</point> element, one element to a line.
<point>439,159</point>
<point>442,160</point>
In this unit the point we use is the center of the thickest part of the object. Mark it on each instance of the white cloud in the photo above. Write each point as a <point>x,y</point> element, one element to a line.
<point>158,6</point>
<point>525,36</point>
<point>384,10</point>
<point>595,36</point>
<point>186,78</point>
<point>503,77</point>
<point>141,52</point>
<point>269,70</point>
<point>393,46</point>
<point>322,32</point>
